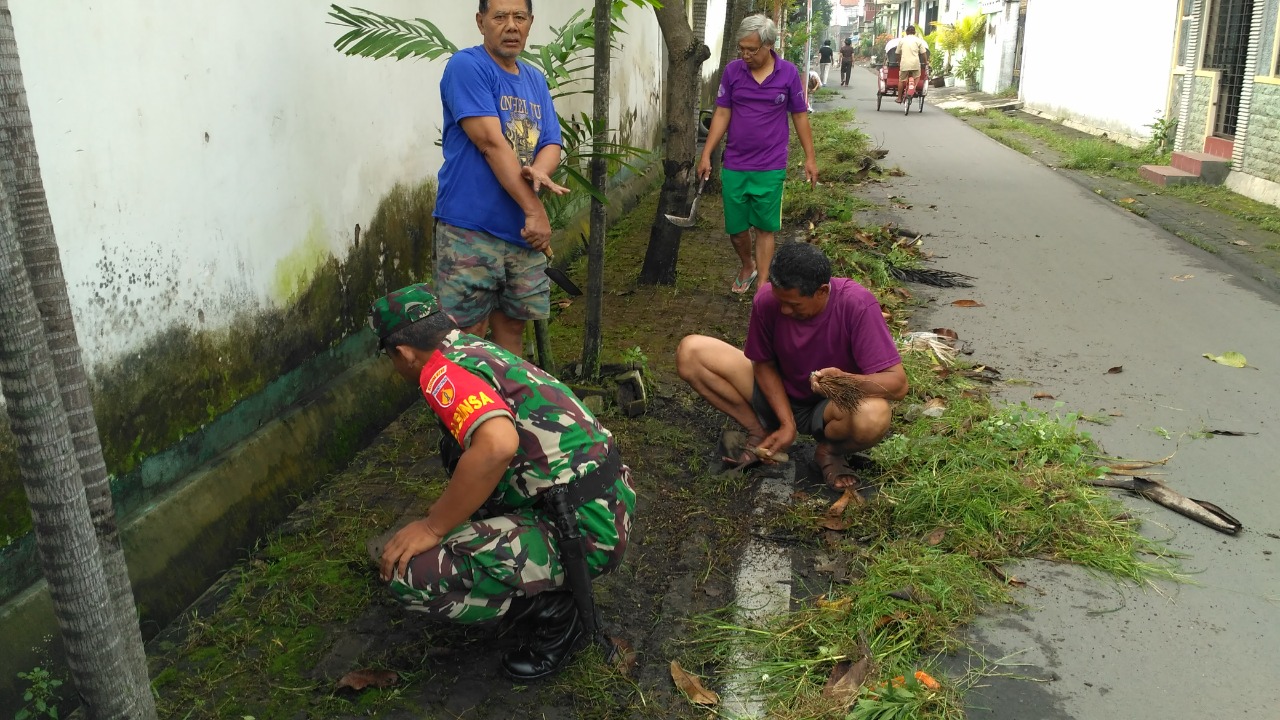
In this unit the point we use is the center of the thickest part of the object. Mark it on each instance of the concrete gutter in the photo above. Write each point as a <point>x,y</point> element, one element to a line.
<point>183,541</point>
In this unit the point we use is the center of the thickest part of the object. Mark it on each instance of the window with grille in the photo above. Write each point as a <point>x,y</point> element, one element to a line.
<point>1228,46</point>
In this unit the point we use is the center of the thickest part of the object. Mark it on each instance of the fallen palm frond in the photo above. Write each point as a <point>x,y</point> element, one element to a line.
<point>932,277</point>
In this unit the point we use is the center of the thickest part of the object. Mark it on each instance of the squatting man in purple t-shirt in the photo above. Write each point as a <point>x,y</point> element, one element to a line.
<point>757,92</point>
<point>804,325</point>
<point>501,146</point>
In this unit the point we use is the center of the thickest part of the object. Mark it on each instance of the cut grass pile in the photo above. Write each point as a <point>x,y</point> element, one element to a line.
<point>959,496</point>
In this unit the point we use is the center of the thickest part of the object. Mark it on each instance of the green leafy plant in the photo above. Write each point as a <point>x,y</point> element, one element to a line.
<point>1163,130</point>
<point>968,67</point>
<point>41,696</point>
<point>892,701</point>
<point>635,357</point>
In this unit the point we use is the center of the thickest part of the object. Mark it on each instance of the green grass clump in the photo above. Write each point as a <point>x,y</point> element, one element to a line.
<point>1098,155</point>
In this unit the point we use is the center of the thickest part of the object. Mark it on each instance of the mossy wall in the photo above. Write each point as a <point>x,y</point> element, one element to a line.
<point>184,378</point>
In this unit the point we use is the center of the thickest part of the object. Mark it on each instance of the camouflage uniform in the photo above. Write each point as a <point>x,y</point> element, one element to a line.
<point>509,549</point>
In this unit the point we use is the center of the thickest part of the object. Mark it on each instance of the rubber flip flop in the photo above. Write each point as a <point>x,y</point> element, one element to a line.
<point>740,286</point>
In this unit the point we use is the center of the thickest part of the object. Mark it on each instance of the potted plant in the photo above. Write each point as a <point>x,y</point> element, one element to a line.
<point>936,62</point>
<point>946,40</point>
<point>967,69</point>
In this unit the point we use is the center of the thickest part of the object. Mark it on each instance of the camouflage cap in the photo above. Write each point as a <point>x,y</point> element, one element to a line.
<point>401,308</point>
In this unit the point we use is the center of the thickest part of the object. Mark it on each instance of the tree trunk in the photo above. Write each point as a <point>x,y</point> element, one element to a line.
<point>51,477</point>
<point>685,55</point>
<point>599,178</point>
<point>22,183</point>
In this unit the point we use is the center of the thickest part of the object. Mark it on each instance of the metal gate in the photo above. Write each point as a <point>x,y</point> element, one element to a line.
<point>1230,22</point>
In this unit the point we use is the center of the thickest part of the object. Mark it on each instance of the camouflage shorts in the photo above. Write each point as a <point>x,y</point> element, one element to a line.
<point>482,565</point>
<point>477,273</point>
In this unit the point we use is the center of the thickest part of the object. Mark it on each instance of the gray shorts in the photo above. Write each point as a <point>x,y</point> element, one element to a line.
<point>808,415</point>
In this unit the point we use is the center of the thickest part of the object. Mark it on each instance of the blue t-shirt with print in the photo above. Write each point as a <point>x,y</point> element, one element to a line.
<point>474,85</point>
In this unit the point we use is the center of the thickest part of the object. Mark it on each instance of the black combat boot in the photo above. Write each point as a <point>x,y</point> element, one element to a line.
<point>555,629</point>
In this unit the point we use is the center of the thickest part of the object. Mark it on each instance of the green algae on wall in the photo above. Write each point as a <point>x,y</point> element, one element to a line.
<point>184,377</point>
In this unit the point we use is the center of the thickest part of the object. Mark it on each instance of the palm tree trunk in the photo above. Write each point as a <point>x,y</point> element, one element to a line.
<point>65,538</point>
<point>600,178</point>
<point>685,55</point>
<point>20,175</point>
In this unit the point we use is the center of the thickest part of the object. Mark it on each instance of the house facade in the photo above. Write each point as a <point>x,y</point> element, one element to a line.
<point>1082,79</point>
<point>1226,89</point>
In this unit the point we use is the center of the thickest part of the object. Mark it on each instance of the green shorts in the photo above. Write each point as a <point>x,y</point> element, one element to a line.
<point>752,199</point>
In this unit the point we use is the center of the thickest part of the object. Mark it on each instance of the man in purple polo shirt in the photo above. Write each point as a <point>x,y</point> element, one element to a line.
<point>804,325</point>
<point>757,92</point>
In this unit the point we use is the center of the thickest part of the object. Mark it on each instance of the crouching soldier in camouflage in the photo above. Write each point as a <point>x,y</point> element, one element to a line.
<point>488,548</point>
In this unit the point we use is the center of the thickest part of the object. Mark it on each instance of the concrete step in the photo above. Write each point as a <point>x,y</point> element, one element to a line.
<point>1166,176</point>
<point>1209,168</point>
<point>1221,147</point>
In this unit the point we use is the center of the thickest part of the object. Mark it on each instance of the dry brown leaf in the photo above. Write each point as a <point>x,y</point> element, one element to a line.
<point>1116,413</point>
<point>1115,370</point>
<point>903,293</point>
<point>846,680</point>
<point>1181,278</point>
<point>1136,465</point>
<point>361,679</point>
<point>936,536</point>
<point>624,660</point>
<point>947,333</point>
<point>1241,243</point>
<point>833,523</point>
<point>1133,473</point>
<point>837,507</point>
<point>691,686</point>
<point>1127,201</point>
<point>897,616</point>
<point>842,604</point>
<point>968,303</point>
<point>562,303</point>
<point>1042,396</point>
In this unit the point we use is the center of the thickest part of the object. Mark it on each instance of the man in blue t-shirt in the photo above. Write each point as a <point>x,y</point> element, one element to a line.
<point>501,146</point>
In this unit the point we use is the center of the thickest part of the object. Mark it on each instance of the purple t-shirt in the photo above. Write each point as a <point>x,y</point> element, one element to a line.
<point>849,334</point>
<point>758,134</point>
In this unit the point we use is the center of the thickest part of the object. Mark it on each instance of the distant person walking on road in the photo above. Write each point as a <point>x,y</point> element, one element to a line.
<point>804,325</point>
<point>846,61</point>
<point>501,147</point>
<point>756,94</point>
<point>912,51</point>
<point>825,56</point>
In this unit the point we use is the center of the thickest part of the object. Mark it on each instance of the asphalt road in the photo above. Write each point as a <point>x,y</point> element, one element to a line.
<point>1072,286</point>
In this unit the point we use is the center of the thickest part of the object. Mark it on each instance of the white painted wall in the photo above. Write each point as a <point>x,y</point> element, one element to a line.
<point>1117,81</point>
<point>1001,45</point>
<point>195,152</point>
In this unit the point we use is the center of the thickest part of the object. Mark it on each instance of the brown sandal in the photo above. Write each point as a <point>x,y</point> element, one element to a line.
<point>834,467</point>
<point>735,450</point>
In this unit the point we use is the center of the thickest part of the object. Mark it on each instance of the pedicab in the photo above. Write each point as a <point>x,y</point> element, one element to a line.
<point>888,83</point>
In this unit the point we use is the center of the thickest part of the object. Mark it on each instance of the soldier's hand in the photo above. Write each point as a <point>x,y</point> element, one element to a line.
<point>413,539</point>
<point>537,230</point>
